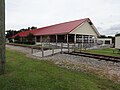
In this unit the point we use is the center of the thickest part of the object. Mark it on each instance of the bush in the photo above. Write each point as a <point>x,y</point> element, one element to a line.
<point>25,42</point>
<point>31,43</point>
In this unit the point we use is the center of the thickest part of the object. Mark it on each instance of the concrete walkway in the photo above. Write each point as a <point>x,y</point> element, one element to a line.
<point>49,52</point>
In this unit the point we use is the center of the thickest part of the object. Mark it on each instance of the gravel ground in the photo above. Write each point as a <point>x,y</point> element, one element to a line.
<point>20,49</point>
<point>107,69</point>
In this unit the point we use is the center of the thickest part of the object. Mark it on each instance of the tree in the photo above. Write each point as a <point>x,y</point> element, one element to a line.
<point>102,36</point>
<point>118,34</point>
<point>30,38</point>
<point>32,28</point>
<point>11,33</point>
<point>17,38</point>
<point>29,28</point>
<point>2,36</point>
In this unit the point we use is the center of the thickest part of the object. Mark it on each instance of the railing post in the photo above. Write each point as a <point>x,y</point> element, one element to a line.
<point>82,42</point>
<point>74,47</point>
<point>31,50</point>
<point>61,48</point>
<point>52,50</point>
<point>68,48</point>
<point>42,50</point>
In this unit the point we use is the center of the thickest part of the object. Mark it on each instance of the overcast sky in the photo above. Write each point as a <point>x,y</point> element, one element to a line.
<point>105,14</point>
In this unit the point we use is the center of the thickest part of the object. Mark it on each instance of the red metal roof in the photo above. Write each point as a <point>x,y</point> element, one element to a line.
<point>62,28</point>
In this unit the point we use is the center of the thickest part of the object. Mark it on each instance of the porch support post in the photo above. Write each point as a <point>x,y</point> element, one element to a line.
<point>75,38</point>
<point>67,38</point>
<point>89,39</point>
<point>68,43</point>
<point>110,41</point>
<point>41,39</point>
<point>56,39</point>
<point>103,42</point>
<point>35,39</point>
<point>89,43</point>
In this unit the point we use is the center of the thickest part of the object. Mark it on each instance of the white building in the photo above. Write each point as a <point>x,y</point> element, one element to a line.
<point>104,41</point>
<point>80,31</point>
<point>117,41</point>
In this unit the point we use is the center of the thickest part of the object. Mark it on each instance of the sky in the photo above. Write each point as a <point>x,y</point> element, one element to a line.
<point>105,14</point>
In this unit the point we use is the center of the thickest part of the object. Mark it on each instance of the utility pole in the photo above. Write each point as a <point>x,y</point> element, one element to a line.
<point>2,36</point>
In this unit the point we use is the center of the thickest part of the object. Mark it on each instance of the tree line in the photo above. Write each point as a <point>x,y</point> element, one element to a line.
<point>27,40</point>
<point>10,33</point>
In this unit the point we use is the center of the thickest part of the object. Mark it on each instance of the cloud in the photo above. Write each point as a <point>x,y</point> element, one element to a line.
<point>112,30</point>
<point>115,27</point>
<point>25,13</point>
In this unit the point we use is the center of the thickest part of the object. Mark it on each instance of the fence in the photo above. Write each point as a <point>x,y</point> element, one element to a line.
<point>53,48</point>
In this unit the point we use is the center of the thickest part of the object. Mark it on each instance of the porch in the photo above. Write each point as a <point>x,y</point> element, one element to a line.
<point>84,41</point>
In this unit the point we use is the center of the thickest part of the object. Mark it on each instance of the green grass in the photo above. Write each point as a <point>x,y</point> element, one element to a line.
<point>24,73</point>
<point>108,51</point>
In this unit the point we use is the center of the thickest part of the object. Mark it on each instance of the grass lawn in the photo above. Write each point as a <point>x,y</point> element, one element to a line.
<point>108,51</point>
<point>23,73</point>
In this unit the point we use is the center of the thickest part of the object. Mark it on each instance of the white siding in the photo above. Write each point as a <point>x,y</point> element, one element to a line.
<point>117,42</point>
<point>84,29</point>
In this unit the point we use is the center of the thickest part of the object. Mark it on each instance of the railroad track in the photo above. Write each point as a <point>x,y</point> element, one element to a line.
<point>96,56</point>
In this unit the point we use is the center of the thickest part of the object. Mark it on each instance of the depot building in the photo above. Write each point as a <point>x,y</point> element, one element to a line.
<point>78,31</point>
